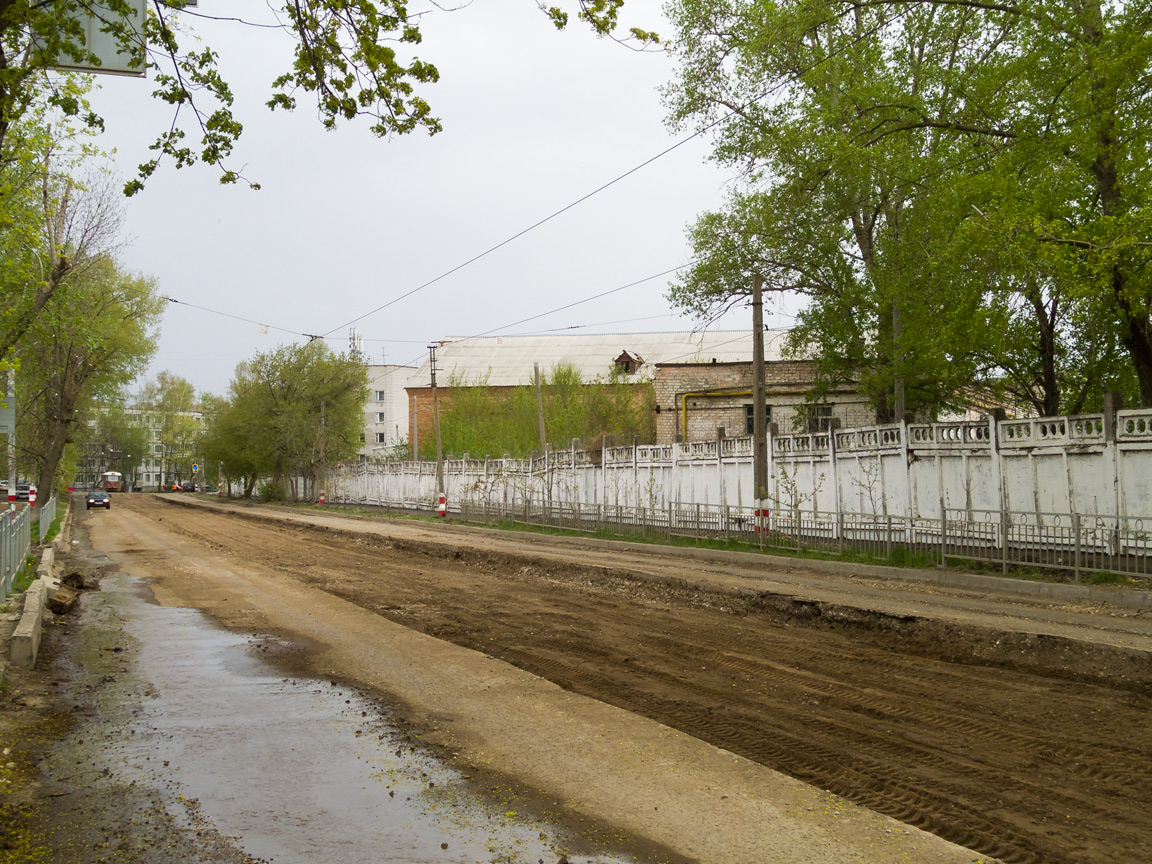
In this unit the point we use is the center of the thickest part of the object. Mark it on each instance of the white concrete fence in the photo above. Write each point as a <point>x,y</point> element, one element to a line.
<point>1085,480</point>
<point>1082,465</point>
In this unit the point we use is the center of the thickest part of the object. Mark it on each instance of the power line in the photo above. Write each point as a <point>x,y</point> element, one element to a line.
<point>235,317</point>
<point>699,132</point>
<point>311,336</point>
<point>585,300</point>
<point>708,127</point>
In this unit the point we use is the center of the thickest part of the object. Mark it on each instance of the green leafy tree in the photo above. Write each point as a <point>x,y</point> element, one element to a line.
<point>904,123</point>
<point>119,440</point>
<point>354,58</point>
<point>52,227</point>
<point>235,440</point>
<point>170,400</point>
<point>100,336</point>
<point>291,413</point>
<point>487,422</point>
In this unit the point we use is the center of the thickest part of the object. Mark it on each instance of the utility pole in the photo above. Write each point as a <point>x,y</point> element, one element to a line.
<point>898,358</point>
<point>436,423</point>
<point>323,462</point>
<point>759,417</point>
<point>540,408</point>
<point>414,444</point>
<point>11,414</point>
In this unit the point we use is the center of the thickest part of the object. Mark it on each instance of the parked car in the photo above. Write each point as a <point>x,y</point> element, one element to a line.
<point>22,490</point>
<point>187,486</point>
<point>99,498</point>
<point>209,489</point>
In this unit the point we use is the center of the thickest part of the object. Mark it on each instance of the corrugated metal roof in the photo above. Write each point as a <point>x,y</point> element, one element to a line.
<point>506,361</point>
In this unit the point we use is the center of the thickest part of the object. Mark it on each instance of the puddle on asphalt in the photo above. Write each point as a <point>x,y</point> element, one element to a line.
<point>301,771</point>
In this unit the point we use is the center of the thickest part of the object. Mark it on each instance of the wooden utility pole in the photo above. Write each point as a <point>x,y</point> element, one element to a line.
<point>759,416</point>
<point>12,437</point>
<point>323,462</point>
<point>436,423</point>
<point>898,358</point>
<point>540,408</point>
<point>415,442</point>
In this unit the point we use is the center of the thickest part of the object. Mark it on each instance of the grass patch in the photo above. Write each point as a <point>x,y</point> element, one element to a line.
<point>901,556</point>
<point>1107,579</point>
<point>26,575</point>
<point>53,529</point>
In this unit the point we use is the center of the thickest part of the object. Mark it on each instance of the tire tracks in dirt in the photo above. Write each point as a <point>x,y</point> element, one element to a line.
<point>999,742</point>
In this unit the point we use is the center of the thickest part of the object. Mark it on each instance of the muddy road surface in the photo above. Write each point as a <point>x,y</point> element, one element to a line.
<point>1019,747</point>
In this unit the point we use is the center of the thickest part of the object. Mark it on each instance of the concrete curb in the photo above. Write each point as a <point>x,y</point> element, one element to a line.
<point>26,637</point>
<point>47,562</point>
<point>25,643</point>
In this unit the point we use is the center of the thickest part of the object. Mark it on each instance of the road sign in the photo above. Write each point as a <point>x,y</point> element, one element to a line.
<point>195,467</point>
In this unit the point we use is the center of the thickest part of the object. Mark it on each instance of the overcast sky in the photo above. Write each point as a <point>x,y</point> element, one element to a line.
<point>534,119</point>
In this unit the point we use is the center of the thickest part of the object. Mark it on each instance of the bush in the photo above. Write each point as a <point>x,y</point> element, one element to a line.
<point>270,490</point>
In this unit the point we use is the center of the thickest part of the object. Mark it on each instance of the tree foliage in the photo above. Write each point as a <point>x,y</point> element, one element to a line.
<point>290,414</point>
<point>122,438</point>
<point>960,188</point>
<point>99,337</point>
<point>58,217</point>
<point>485,422</point>
<point>354,58</point>
<point>169,402</point>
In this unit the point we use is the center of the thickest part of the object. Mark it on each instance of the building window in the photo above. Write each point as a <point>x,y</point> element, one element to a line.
<point>381,417</point>
<point>820,418</point>
<point>381,396</point>
<point>627,363</point>
<point>381,437</point>
<point>749,423</point>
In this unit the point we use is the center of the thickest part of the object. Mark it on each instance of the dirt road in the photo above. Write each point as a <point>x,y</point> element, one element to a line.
<point>1022,747</point>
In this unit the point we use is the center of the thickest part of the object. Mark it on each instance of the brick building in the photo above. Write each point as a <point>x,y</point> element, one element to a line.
<point>501,363</point>
<point>694,399</point>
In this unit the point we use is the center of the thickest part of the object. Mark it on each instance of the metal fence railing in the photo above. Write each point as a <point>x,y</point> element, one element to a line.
<point>15,542</point>
<point>47,517</point>
<point>1072,543</point>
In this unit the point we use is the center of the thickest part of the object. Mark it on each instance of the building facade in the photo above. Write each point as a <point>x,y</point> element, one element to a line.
<point>502,363</point>
<point>167,442</point>
<point>695,400</point>
<point>386,411</point>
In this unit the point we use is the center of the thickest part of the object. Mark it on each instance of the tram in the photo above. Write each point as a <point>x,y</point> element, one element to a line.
<point>111,481</point>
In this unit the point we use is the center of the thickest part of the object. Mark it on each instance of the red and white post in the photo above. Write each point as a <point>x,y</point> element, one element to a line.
<point>443,505</point>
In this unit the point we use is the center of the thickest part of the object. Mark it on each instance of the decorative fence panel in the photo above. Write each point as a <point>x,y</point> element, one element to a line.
<point>1065,492</point>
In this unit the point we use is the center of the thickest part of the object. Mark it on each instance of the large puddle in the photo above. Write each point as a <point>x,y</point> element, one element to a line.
<point>297,771</point>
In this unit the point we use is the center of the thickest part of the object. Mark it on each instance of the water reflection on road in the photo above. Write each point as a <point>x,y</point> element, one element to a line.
<point>298,770</point>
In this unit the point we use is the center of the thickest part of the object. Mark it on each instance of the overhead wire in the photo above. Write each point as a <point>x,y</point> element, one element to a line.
<point>699,132</point>
<point>706,128</point>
